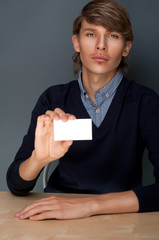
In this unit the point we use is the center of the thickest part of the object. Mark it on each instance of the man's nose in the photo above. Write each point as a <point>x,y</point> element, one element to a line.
<point>101,43</point>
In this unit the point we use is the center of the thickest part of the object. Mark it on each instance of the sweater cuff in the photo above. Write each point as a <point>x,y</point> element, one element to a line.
<point>20,186</point>
<point>148,197</point>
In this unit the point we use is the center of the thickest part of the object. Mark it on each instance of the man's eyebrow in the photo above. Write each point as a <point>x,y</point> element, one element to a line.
<point>95,30</point>
<point>90,29</point>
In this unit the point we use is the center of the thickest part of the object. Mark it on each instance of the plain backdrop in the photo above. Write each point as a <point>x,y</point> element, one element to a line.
<point>36,52</point>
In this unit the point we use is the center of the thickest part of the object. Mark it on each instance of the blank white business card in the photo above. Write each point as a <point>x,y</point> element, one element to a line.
<point>78,129</point>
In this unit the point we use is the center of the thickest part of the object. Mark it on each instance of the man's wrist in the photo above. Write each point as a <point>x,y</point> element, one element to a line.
<point>122,202</point>
<point>30,168</point>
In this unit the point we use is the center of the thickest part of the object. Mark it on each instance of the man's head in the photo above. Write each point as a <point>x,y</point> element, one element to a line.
<point>111,15</point>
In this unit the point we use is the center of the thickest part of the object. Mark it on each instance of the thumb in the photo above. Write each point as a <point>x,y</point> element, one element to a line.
<point>66,145</point>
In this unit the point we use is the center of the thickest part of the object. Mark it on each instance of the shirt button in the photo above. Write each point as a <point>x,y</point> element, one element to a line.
<point>107,95</point>
<point>97,110</point>
<point>86,96</point>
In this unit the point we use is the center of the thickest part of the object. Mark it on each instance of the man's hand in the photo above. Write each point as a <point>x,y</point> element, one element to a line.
<point>46,149</point>
<point>58,208</point>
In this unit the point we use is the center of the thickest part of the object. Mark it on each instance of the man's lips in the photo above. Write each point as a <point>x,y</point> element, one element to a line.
<point>100,58</point>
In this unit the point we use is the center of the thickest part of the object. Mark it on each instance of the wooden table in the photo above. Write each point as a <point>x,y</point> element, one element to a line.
<point>107,227</point>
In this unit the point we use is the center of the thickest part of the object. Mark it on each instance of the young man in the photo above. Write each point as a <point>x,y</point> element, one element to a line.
<point>125,121</point>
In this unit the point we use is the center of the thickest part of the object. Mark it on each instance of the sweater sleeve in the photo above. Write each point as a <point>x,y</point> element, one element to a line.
<point>16,184</point>
<point>148,196</point>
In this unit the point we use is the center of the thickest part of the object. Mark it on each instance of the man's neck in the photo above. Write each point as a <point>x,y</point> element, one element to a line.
<point>92,83</point>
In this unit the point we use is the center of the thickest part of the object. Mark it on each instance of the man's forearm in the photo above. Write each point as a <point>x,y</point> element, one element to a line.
<point>121,202</point>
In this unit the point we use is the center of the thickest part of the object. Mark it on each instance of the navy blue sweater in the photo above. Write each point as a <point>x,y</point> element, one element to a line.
<point>112,161</point>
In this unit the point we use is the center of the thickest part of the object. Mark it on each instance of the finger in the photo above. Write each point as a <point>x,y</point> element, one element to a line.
<point>64,147</point>
<point>55,214</point>
<point>41,120</point>
<point>64,116</point>
<point>71,117</point>
<point>37,207</point>
<point>53,115</point>
<point>21,213</point>
<point>43,124</point>
<point>26,209</point>
<point>31,213</point>
<point>34,209</point>
<point>66,144</point>
<point>35,203</point>
<point>58,114</point>
<point>44,216</point>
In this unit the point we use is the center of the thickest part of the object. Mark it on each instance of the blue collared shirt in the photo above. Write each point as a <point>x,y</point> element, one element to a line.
<point>103,97</point>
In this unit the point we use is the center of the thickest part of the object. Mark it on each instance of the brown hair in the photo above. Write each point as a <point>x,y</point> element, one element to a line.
<point>109,14</point>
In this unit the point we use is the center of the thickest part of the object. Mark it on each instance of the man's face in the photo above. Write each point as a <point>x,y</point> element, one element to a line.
<point>100,50</point>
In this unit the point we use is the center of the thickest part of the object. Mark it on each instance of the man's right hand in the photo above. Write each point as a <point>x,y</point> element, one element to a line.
<point>46,149</point>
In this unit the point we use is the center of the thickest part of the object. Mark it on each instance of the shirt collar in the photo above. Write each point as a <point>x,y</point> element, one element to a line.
<point>80,83</point>
<point>108,89</point>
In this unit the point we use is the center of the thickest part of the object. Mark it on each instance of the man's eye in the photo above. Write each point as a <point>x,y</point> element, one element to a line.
<point>113,36</point>
<point>90,34</point>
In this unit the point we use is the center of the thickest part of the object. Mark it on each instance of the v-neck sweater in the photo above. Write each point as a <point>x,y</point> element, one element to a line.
<point>112,161</point>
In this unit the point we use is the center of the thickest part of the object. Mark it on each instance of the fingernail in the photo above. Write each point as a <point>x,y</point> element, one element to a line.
<point>56,117</point>
<point>72,117</point>
<point>64,117</point>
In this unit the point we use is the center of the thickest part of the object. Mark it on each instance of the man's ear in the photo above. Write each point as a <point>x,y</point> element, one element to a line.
<point>127,48</point>
<point>76,45</point>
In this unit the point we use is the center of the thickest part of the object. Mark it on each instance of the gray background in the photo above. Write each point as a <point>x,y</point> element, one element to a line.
<point>36,52</point>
